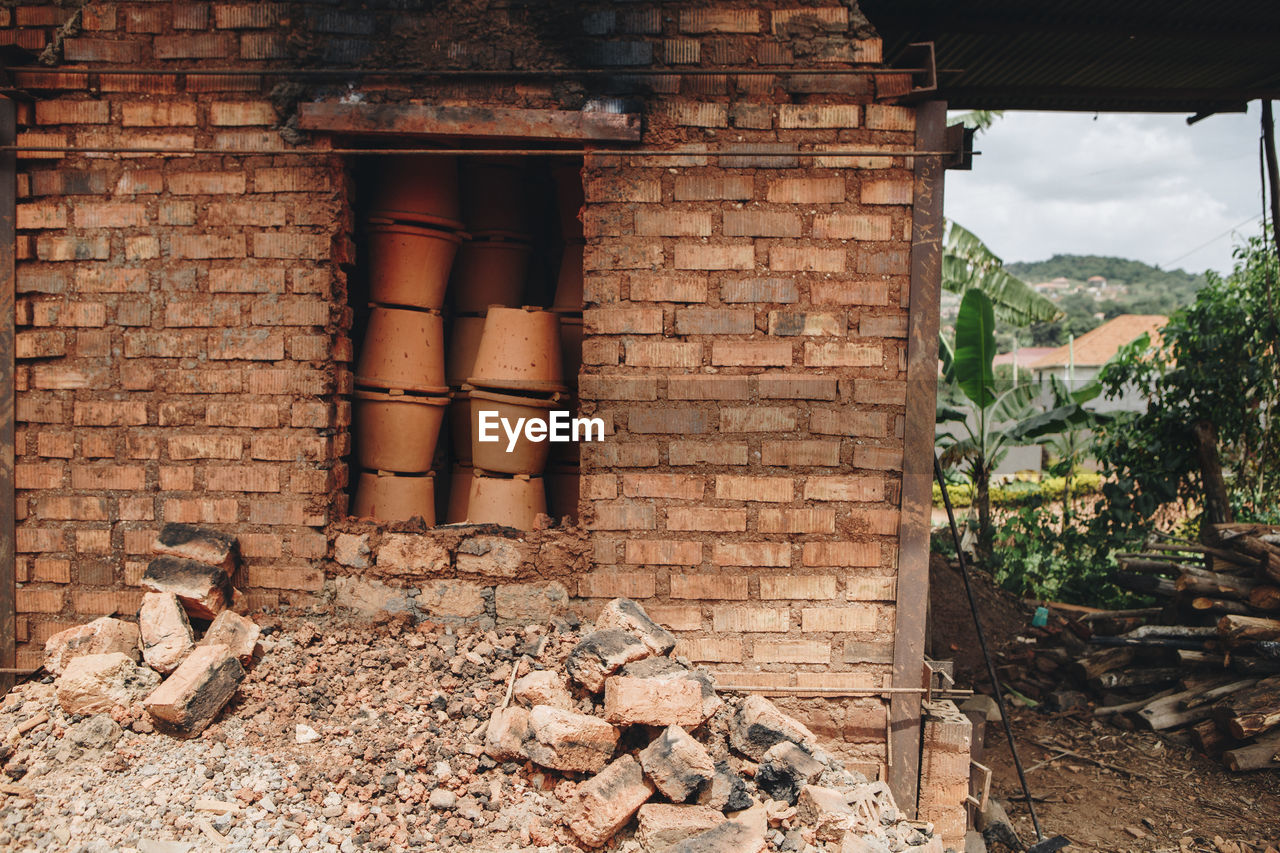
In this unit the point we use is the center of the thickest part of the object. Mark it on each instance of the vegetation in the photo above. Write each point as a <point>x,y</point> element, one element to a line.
<point>1020,493</point>
<point>967,264</point>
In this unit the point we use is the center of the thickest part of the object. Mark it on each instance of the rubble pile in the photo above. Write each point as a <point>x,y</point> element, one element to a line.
<point>1202,665</point>
<point>346,736</point>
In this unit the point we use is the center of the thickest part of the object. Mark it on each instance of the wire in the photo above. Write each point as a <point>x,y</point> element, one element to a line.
<point>1212,240</point>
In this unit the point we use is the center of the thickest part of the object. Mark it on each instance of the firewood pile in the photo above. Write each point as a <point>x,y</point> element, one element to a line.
<point>1202,663</point>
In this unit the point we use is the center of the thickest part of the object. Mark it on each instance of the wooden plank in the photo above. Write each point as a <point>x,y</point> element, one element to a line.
<point>476,122</point>
<point>8,246</point>
<point>917,469</point>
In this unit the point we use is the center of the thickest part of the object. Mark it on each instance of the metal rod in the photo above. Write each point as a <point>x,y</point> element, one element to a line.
<point>986,653</point>
<point>461,152</point>
<point>839,691</point>
<point>327,73</point>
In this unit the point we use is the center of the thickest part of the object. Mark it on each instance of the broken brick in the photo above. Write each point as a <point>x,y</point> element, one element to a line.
<point>91,684</point>
<point>677,764</point>
<point>203,589</point>
<point>236,632</point>
<point>671,701</point>
<point>660,825</point>
<point>201,544</point>
<point>563,740</point>
<point>785,770</point>
<point>167,637</point>
<point>606,802</point>
<point>625,614</point>
<point>101,636</point>
<point>759,724</point>
<point>600,654</point>
<point>197,690</point>
<point>507,732</point>
<point>543,687</point>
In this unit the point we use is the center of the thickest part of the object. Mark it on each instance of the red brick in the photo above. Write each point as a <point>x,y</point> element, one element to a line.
<point>713,587</point>
<point>623,321</point>
<point>158,114</point>
<point>719,21</point>
<point>800,453</point>
<point>707,453</point>
<point>817,116</point>
<point>676,617</point>
<point>791,651</point>
<point>623,255</point>
<point>50,248</point>
<point>72,508</point>
<point>806,190</point>
<point>807,259</point>
<point>668,287</point>
<point>851,618</point>
<point>102,50</point>
<point>884,458</point>
<point>848,421</point>
<point>624,189</point>
<point>715,321</point>
<point>254,16</point>
<point>833,19</point>
<point>873,326</point>
<point>202,46</point>
<point>751,353</point>
<point>759,290</point>
<point>39,344</point>
<point>699,114</point>
<point>708,387</point>
<point>73,112</point>
<point>242,414</point>
<point>38,600</point>
<point>242,478</point>
<point>110,215</point>
<point>207,183</point>
<point>201,511</point>
<point>29,476</point>
<point>663,354</point>
<point>617,584</point>
<point>295,179</point>
<point>849,293</point>
<point>182,447</point>
<point>879,392</point>
<point>106,413</point>
<point>807,323</point>
<point>833,354</point>
<point>738,620</point>
<point>712,188</point>
<point>241,113</point>
<point>203,246</point>
<point>845,226</point>
<point>674,486</point>
<point>130,478</point>
<point>140,182</point>
<point>50,570</point>
<point>711,649</point>
<point>703,256</point>
<point>754,554</point>
<point>757,419</point>
<point>261,214</point>
<point>190,16</point>
<point>58,444</point>
<point>663,552</point>
<point>257,280</point>
<point>887,191</point>
<point>797,520</point>
<point>884,117</point>
<point>754,488</point>
<point>845,554</point>
<point>759,223</point>
<point>884,262</point>
<point>671,223</point>
<point>622,515</point>
<point>709,519</point>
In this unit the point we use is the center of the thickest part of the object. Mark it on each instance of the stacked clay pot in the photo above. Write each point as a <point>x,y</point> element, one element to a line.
<point>414,232</point>
<point>517,372</point>
<point>563,472</point>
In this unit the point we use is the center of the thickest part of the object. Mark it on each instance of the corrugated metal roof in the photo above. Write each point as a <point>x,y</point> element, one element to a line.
<point>1121,55</point>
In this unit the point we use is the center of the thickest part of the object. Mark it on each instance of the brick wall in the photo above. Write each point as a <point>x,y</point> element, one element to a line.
<point>183,321</point>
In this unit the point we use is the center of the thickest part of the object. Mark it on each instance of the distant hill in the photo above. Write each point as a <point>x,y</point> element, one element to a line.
<point>1151,289</point>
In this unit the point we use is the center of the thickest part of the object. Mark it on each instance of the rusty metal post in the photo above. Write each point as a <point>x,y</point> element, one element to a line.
<point>922,302</point>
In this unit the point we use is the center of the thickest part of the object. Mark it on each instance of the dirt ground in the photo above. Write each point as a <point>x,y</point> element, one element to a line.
<point>1103,787</point>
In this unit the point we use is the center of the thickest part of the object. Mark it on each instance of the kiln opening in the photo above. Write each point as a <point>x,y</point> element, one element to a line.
<point>466,303</point>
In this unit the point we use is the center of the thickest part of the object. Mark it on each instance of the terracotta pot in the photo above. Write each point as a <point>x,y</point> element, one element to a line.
<point>489,272</point>
<point>403,350</point>
<point>564,487</point>
<point>395,497</point>
<point>571,348</point>
<point>525,456</point>
<point>567,452</point>
<point>409,264</point>
<point>495,197</point>
<point>459,494</point>
<point>396,432</point>
<point>569,281</point>
<point>417,188</point>
<point>509,501</point>
<point>569,199</point>
<point>460,425</point>
<point>519,350</point>
<point>464,340</point>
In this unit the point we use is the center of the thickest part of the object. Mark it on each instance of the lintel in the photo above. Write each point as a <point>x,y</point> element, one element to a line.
<point>474,122</point>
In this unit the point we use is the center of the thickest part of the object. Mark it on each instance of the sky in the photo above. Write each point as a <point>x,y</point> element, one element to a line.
<point>1147,187</point>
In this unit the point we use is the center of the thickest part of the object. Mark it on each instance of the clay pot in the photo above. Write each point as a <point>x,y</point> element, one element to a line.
<point>569,281</point>
<point>525,457</point>
<point>569,199</point>
<point>564,485</point>
<point>403,350</point>
<point>509,501</point>
<point>459,494</point>
<point>396,432</point>
<point>495,197</point>
<point>489,272</point>
<point>460,425</point>
<point>417,188</point>
<point>409,264</point>
<point>395,497</point>
<point>519,350</point>
<point>571,348</point>
<point>464,340</point>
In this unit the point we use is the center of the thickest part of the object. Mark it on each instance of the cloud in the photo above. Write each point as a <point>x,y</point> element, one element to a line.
<point>1138,186</point>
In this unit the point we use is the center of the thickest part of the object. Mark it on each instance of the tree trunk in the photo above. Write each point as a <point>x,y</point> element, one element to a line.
<point>1217,506</point>
<point>982,495</point>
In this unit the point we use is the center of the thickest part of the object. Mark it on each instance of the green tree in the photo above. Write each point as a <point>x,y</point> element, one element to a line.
<point>967,264</point>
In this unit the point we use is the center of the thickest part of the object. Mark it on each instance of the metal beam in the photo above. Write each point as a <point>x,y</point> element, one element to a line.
<point>917,471</point>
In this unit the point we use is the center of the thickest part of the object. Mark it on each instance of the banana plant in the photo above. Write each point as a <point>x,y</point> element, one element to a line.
<point>1060,428</point>
<point>967,264</point>
<point>977,424</point>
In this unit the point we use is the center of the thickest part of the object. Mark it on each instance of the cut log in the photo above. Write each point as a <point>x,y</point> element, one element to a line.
<point>1251,711</point>
<point>1166,713</point>
<point>1198,582</point>
<point>1123,614</point>
<point>1255,756</point>
<point>1146,566</point>
<point>1238,630</point>
<point>1190,632</point>
<point>1210,739</point>
<point>1220,605</point>
<point>1143,677</point>
<point>1192,658</point>
<point>1253,666</point>
<point>1104,661</point>
<point>1126,707</point>
<point>1220,553</point>
<point>1265,598</point>
<point>1145,584</point>
<point>1213,694</point>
